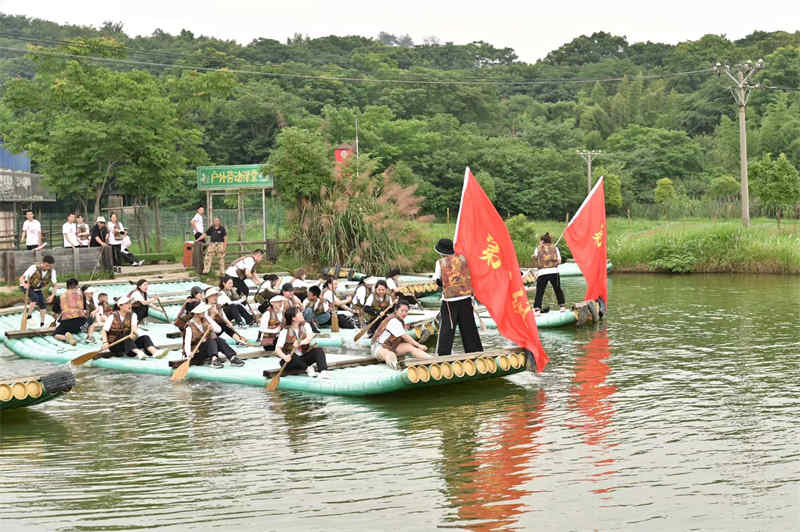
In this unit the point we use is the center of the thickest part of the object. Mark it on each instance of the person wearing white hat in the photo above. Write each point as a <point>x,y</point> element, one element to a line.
<point>98,235</point>
<point>121,323</point>
<point>201,328</point>
<point>294,346</point>
<point>216,314</point>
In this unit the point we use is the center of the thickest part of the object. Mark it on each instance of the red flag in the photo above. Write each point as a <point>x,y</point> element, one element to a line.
<point>586,237</point>
<point>482,237</point>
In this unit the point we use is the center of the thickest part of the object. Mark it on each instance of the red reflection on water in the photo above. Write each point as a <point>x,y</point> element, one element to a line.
<point>591,398</point>
<point>491,494</point>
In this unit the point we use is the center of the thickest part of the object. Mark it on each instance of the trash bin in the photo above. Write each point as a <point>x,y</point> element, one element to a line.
<point>187,253</point>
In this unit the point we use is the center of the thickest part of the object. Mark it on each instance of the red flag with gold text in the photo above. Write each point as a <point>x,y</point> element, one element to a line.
<point>586,237</point>
<point>483,239</point>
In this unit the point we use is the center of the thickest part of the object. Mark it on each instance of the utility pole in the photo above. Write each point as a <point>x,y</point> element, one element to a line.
<point>740,75</point>
<point>587,156</point>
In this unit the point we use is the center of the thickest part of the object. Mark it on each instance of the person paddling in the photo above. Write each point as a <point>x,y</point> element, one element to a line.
<point>391,338</point>
<point>547,260</point>
<point>377,303</point>
<point>294,346</point>
<point>452,275</point>
<point>139,300</point>
<point>122,323</point>
<point>216,314</point>
<point>73,313</point>
<point>201,328</point>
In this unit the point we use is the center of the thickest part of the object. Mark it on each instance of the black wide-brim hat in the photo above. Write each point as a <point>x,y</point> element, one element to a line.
<point>444,247</point>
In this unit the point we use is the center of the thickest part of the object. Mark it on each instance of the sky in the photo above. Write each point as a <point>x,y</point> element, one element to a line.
<point>531,28</point>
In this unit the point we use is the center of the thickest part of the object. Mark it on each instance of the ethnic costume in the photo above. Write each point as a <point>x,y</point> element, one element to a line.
<point>547,260</point>
<point>373,308</point>
<point>118,326</point>
<point>38,279</point>
<point>192,335</point>
<point>303,356</point>
<point>138,298</point>
<point>453,276</point>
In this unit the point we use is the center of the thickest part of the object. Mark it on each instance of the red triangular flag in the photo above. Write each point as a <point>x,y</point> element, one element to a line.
<point>586,237</point>
<point>483,239</point>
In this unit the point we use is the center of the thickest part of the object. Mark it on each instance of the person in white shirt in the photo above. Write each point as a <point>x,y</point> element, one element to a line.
<point>34,280</point>
<point>197,224</point>
<point>316,311</point>
<point>31,231</point>
<point>244,268</point>
<point>123,323</point>
<point>391,339</point>
<point>270,327</point>
<point>115,229</point>
<point>83,232</point>
<point>200,327</point>
<point>124,250</point>
<point>70,232</point>
<point>547,257</point>
<point>294,345</point>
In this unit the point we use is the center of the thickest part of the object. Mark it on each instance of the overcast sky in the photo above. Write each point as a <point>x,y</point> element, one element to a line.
<point>531,28</point>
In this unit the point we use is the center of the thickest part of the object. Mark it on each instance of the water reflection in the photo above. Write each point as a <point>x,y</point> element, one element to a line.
<point>590,397</point>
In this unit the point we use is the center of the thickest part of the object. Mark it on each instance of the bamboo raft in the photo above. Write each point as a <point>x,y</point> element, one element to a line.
<point>18,392</point>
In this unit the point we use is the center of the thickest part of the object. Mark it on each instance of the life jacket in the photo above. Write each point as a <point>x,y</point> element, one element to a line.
<point>318,307</point>
<point>198,330</point>
<point>241,273</point>
<point>89,304</point>
<point>264,296</point>
<point>274,322</point>
<point>40,278</point>
<point>547,255</point>
<point>379,304</point>
<point>456,281</point>
<point>185,314</point>
<point>392,342</point>
<point>292,340</point>
<point>72,305</point>
<point>119,327</point>
<point>137,303</point>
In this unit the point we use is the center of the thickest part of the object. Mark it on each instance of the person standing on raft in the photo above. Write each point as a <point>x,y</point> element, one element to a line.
<point>34,280</point>
<point>547,260</point>
<point>391,338</point>
<point>452,276</point>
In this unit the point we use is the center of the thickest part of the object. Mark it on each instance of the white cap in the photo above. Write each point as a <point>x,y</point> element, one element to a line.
<point>101,219</point>
<point>211,291</point>
<point>202,308</point>
<point>277,299</point>
<point>122,300</point>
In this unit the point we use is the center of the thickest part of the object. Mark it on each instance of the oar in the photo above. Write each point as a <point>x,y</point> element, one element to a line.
<point>86,357</point>
<point>180,373</point>
<point>334,318</point>
<point>24,323</point>
<point>361,333</point>
<point>475,308</point>
<point>166,316</point>
<point>272,385</point>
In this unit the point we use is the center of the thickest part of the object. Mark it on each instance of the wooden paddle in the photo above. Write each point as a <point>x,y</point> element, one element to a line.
<point>180,373</point>
<point>334,318</point>
<point>272,385</point>
<point>363,331</point>
<point>24,323</point>
<point>166,316</point>
<point>480,320</point>
<point>86,357</point>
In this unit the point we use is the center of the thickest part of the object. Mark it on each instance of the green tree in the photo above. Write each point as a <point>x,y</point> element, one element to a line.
<point>302,163</point>
<point>664,191</point>
<point>89,127</point>
<point>776,182</point>
<point>612,188</point>
<point>723,187</point>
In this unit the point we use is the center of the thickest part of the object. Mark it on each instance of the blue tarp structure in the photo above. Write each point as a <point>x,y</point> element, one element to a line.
<point>10,161</point>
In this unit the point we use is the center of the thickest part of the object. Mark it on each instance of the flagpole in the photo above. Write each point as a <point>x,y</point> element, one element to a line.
<point>589,195</point>
<point>461,202</point>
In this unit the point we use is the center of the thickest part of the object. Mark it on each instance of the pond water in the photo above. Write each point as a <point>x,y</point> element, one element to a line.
<point>680,412</point>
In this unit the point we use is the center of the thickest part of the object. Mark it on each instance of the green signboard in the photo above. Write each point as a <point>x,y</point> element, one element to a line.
<point>232,177</point>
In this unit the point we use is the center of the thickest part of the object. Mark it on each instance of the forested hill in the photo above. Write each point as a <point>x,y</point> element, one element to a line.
<point>428,109</point>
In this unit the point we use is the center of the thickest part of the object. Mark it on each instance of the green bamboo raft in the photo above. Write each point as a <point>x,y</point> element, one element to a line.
<point>351,374</point>
<point>18,392</point>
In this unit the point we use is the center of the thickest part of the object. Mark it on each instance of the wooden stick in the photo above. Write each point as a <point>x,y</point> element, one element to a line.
<point>363,331</point>
<point>24,323</point>
<point>166,316</point>
<point>180,373</point>
<point>475,308</point>
<point>273,384</point>
<point>334,316</point>
<point>86,357</point>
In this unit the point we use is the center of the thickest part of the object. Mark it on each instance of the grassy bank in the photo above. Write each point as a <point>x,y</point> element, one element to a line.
<point>691,245</point>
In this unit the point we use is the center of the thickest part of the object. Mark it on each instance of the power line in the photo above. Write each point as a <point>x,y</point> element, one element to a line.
<point>486,82</point>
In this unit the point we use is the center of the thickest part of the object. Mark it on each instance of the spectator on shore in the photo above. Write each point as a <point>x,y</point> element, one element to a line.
<point>83,232</point>
<point>70,232</point>
<point>98,236</point>
<point>197,224</point>
<point>31,231</point>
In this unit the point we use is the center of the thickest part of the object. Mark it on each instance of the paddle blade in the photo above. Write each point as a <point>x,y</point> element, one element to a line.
<point>273,383</point>
<point>360,333</point>
<point>84,358</point>
<point>24,323</point>
<point>180,373</point>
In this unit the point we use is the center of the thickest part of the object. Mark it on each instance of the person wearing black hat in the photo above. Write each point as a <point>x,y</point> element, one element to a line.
<point>452,276</point>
